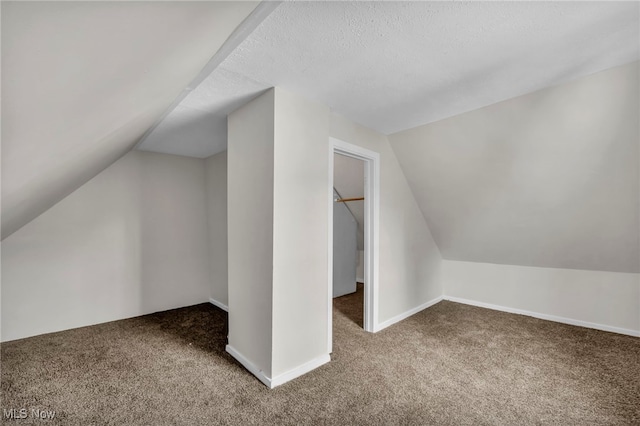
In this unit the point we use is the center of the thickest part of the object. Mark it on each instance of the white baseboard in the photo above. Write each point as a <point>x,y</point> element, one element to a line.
<point>300,370</point>
<point>360,280</point>
<point>253,369</point>
<point>281,378</point>
<point>407,314</point>
<point>219,304</point>
<point>547,317</point>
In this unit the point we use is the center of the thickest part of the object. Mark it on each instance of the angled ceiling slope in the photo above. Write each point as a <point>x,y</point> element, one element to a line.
<point>83,81</point>
<point>392,66</point>
<point>550,179</point>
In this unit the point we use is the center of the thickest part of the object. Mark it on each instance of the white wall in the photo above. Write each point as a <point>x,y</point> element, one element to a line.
<point>550,179</point>
<point>277,235</point>
<point>300,229</point>
<point>250,207</point>
<point>216,176</point>
<point>604,300</point>
<point>409,262</point>
<point>360,268</point>
<point>345,250</point>
<point>128,242</point>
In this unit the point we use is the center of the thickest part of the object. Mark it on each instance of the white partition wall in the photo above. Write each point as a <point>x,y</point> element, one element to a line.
<point>300,251</point>
<point>277,227</point>
<point>250,233</point>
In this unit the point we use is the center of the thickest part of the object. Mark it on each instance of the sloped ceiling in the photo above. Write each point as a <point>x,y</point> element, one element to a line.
<point>198,125</point>
<point>550,179</point>
<point>83,81</point>
<point>546,179</point>
<point>392,66</point>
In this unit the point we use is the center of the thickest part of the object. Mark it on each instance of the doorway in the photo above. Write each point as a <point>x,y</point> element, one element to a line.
<point>370,204</point>
<point>348,228</point>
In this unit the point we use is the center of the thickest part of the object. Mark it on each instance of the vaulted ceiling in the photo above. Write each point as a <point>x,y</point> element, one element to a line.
<point>392,66</point>
<point>509,171</point>
<point>550,179</point>
<point>83,81</point>
<point>461,88</point>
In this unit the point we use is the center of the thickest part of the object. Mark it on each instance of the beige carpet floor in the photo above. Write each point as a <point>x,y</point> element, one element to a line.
<point>449,364</point>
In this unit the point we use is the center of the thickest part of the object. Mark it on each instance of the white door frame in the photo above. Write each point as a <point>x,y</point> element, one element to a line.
<point>371,226</point>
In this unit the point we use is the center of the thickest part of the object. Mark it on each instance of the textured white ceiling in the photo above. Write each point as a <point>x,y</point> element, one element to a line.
<point>197,127</point>
<point>396,65</point>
